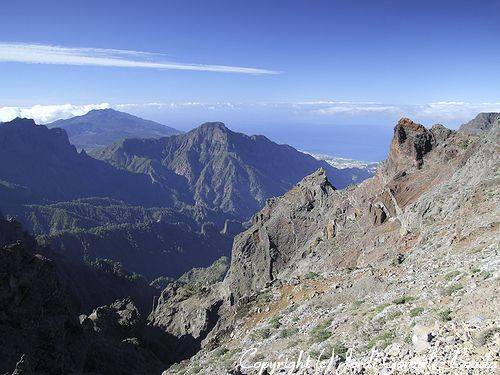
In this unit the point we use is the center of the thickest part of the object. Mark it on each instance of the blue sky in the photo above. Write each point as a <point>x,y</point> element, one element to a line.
<point>310,65</point>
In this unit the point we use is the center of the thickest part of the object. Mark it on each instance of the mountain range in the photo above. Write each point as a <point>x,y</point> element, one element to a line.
<point>401,267</point>
<point>222,169</point>
<point>102,127</point>
<point>150,204</point>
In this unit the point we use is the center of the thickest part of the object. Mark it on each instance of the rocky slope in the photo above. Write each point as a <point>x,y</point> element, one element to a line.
<point>102,127</point>
<point>404,265</point>
<point>224,170</point>
<point>481,123</point>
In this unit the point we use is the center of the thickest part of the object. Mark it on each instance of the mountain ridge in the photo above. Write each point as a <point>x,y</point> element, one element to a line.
<point>220,166</point>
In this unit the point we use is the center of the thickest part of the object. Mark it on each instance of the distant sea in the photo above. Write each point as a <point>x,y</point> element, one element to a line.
<point>358,142</point>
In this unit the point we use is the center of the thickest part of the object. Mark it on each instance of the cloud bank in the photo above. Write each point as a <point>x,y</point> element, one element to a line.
<point>448,112</point>
<point>49,54</point>
<point>43,114</point>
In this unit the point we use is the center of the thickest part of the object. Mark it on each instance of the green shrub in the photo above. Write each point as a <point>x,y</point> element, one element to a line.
<point>449,290</point>
<point>393,315</point>
<point>358,303</point>
<point>486,275</point>
<point>416,311</point>
<point>260,334</point>
<point>403,300</point>
<point>311,275</point>
<point>445,315</point>
<point>288,332</point>
<point>321,333</point>
<point>274,322</point>
<point>378,309</point>
<point>341,350</point>
<point>384,338</point>
<point>451,275</point>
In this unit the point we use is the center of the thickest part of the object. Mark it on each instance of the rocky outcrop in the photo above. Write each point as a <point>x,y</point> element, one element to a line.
<point>188,309</point>
<point>313,225</point>
<point>410,143</point>
<point>36,325</point>
<point>283,232</point>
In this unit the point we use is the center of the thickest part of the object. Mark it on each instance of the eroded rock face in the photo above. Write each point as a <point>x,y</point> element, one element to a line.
<point>186,313</point>
<point>120,319</point>
<point>411,142</point>
<point>279,229</point>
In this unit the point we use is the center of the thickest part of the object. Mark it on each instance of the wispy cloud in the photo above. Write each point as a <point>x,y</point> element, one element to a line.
<point>49,54</point>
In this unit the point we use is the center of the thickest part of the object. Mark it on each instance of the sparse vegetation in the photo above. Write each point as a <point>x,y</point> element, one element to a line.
<point>486,275</point>
<point>274,322</point>
<point>356,304</point>
<point>288,332</point>
<point>134,276</point>
<point>293,344</point>
<point>393,315</point>
<point>323,352</point>
<point>311,275</point>
<point>475,270</point>
<point>260,334</point>
<point>403,300</point>
<point>161,282</point>
<point>451,275</point>
<point>378,309</point>
<point>445,315</point>
<point>219,352</point>
<point>341,350</point>
<point>321,333</point>
<point>384,339</point>
<point>416,311</point>
<point>449,290</point>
